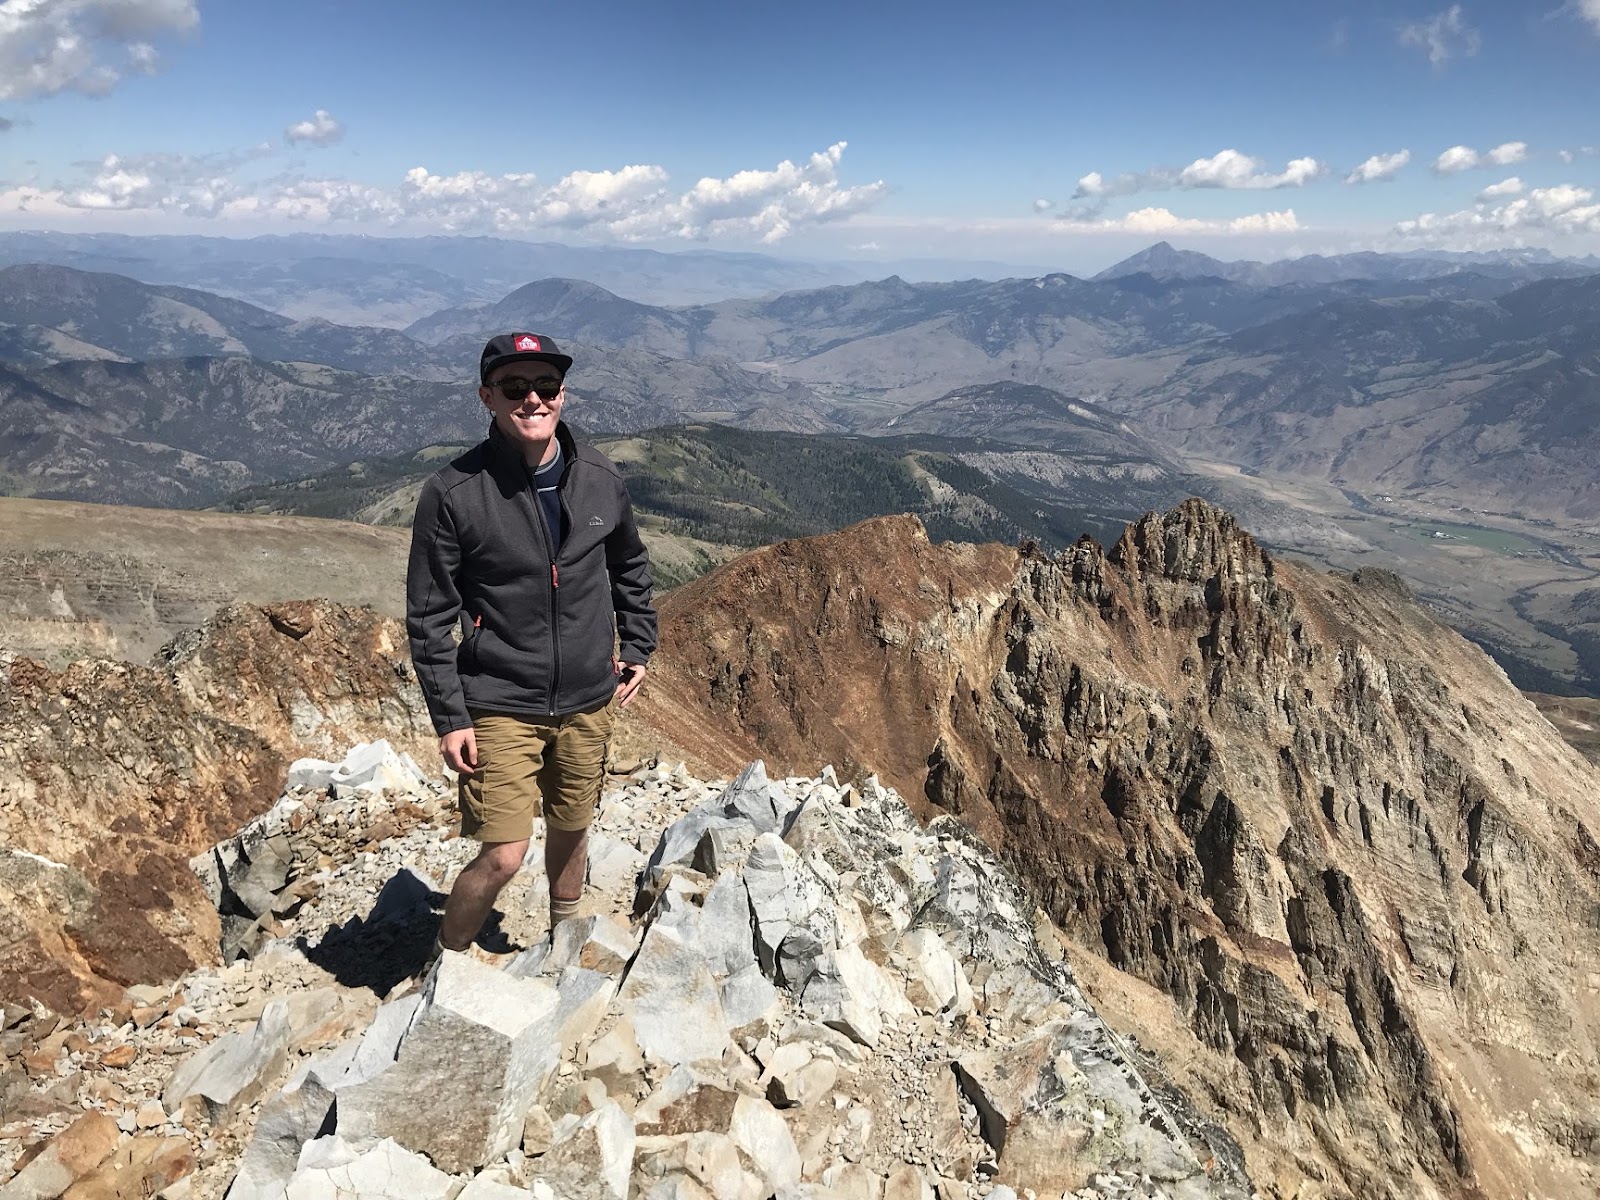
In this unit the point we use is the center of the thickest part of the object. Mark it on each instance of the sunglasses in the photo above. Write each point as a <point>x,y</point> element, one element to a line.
<point>517,389</point>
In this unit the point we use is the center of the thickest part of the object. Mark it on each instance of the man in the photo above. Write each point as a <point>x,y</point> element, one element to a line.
<point>527,542</point>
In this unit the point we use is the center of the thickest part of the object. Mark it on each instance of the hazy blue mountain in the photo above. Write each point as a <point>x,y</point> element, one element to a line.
<point>180,432</point>
<point>125,318</point>
<point>564,309</point>
<point>1488,404</point>
<point>370,280</point>
<point>1164,262</point>
<point>1130,314</point>
<point>890,343</point>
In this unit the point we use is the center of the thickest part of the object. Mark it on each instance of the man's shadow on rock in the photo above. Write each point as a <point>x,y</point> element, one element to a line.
<point>392,942</point>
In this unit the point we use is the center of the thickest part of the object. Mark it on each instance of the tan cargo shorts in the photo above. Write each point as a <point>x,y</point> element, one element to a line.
<point>531,764</point>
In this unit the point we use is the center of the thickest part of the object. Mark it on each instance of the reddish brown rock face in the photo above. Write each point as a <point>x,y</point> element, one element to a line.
<point>113,775</point>
<point>1354,862</point>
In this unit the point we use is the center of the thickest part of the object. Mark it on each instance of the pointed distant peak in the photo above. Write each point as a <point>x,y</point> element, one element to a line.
<point>1165,261</point>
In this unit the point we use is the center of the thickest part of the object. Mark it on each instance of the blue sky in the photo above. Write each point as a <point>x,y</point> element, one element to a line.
<point>1062,132</point>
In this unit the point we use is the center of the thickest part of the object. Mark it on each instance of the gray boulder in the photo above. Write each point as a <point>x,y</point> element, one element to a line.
<point>672,1000</point>
<point>469,1066</point>
<point>287,1122</point>
<point>233,1071</point>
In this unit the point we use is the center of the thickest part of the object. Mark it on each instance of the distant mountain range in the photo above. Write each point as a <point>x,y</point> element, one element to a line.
<point>1490,405</point>
<point>115,316</point>
<point>361,280</point>
<point>1472,385</point>
<point>1165,262</point>
<point>181,432</point>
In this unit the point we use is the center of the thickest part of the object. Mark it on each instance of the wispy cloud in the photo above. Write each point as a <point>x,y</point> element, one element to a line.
<point>1465,158</point>
<point>632,203</point>
<point>1379,167</point>
<point>1443,36</point>
<point>1042,205</point>
<point>321,130</point>
<point>50,46</point>
<point>1589,10</point>
<point>1159,222</point>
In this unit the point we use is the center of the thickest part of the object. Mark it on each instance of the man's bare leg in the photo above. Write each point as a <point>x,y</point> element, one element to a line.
<point>476,889</point>
<point>566,862</point>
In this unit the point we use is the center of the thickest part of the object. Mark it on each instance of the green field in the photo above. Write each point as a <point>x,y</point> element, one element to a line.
<point>1471,535</point>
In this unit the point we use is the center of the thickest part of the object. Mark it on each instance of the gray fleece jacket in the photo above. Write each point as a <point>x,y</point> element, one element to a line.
<point>538,629</point>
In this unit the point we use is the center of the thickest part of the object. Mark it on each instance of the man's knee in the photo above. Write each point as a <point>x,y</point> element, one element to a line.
<point>502,860</point>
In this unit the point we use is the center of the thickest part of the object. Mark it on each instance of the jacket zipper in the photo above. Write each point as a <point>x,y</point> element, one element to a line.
<point>555,581</point>
<point>555,641</point>
<point>556,596</point>
<point>555,589</point>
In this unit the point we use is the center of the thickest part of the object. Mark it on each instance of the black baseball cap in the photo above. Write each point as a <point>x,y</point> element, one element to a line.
<point>506,348</point>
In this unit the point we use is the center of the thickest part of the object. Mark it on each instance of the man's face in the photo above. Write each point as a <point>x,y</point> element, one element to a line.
<point>531,419</point>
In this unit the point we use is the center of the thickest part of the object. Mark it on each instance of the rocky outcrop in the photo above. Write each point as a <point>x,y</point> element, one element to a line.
<point>112,776</point>
<point>843,1004</point>
<point>1356,862</point>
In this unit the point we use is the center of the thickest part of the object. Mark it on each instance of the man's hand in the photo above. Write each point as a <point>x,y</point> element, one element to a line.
<point>460,750</point>
<point>629,677</point>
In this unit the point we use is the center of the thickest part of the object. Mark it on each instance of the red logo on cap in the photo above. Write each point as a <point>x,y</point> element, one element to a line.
<point>527,344</point>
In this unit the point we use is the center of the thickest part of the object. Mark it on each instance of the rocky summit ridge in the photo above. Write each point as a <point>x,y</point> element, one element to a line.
<point>779,988</point>
<point>1337,866</point>
<point>1329,876</point>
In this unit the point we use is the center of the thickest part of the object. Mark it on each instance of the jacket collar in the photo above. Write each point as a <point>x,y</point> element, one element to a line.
<point>508,452</point>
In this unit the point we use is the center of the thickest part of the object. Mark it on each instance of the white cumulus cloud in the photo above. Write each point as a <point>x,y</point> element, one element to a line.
<point>1563,210</point>
<point>1457,158</point>
<point>1379,167</point>
<point>50,46</point>
<point>1042,205</point>
<point>1589,10</point>
<point>1231,169</point>
<point>632,203</point>
<point>321,130</point>
<point>1465,158</point>
<point>1443,36</point>
<point>198,186</point>
<point>1506,187</point>
<point>1505,154</point>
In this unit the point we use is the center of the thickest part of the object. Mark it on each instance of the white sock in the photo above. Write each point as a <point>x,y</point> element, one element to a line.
<point>561,910</point>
